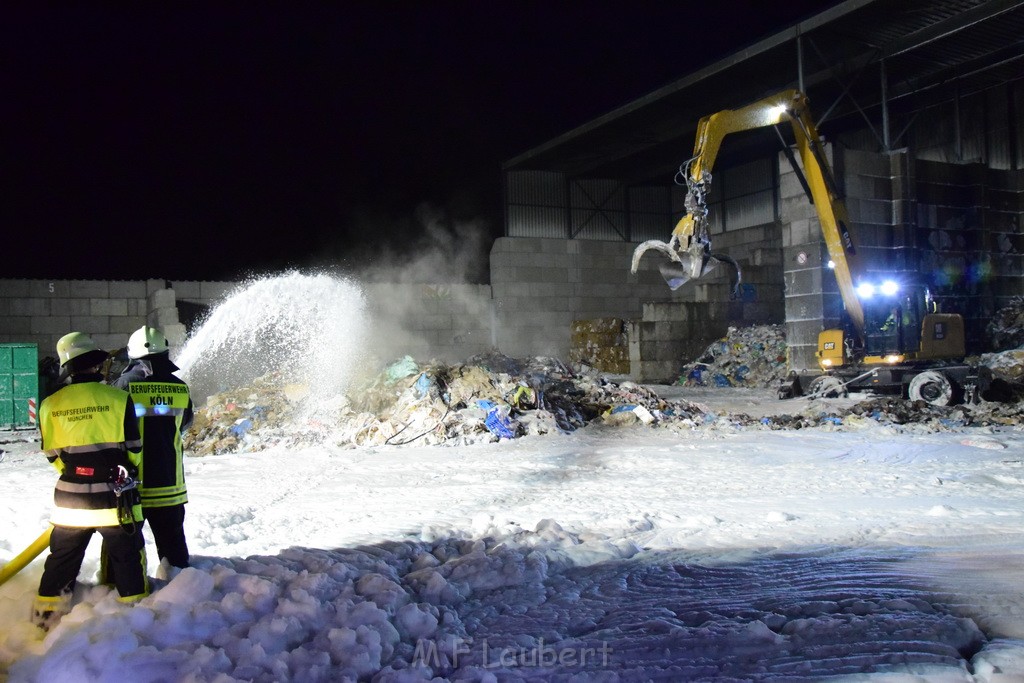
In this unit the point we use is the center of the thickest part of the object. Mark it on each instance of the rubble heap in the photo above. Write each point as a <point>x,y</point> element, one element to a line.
<point>747,356</point>
<point>601,343</point>
<point>1006,327</point>
<point>490,397</point>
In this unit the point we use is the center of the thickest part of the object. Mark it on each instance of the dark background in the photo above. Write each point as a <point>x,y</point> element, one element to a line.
<point>227,139</point>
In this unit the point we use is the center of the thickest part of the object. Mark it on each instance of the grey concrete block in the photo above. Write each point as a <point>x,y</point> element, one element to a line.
<point>118,307</point>
<point>14,288</point>
<point>757,313</point>
<point>126,325</point>
<point>15,324</point>
<point>531,245</point>
<point>803,308</point>
<point>789,185</point>
<point>502,273</point>
<point>546,290</point>
<point>162,317</point>
<point>89,289</point>
<point>91,324</point>
<point>137,308</point>
<point>186,289</point>
<point>155,285</point>
<point>54,324</point>
<point>216,291</point>
<point>49,288</point>
<point>802,357</point>
<point>70,306</point>
<point>795,208</point>
<point>31,307</point>
<point>866,163</point>
<point>161,298</point>
<point>126,289</point>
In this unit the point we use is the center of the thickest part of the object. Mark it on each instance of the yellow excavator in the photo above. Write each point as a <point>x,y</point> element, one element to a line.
<point>895,340</point>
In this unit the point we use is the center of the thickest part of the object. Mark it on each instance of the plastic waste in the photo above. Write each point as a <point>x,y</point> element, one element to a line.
<point>401,368</point>
<point>422,385</point>
<point>498,423</point>
<point>645,415</point>
<point>240,427</point>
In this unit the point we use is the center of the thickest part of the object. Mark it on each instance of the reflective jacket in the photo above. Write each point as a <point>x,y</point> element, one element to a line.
<point>164,407</point>
<point>88,432</point>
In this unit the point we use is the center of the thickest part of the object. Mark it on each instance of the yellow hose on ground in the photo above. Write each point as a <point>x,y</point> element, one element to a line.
<point>26,556</point>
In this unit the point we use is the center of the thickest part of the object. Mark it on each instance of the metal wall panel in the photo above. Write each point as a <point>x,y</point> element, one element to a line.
<point>536,204</point>
<point>997,120</point>
<point>598,210</point>
<point>750,210</point>
<point>972,128</point>
<point>537,221</point>
<point>1017,121</point>
<point>747,178</point>
<point>535,188</point>
<point>588,224</point>
<point>649,214</point>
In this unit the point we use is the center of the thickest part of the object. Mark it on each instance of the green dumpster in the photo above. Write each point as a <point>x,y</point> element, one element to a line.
<point>19,385</point>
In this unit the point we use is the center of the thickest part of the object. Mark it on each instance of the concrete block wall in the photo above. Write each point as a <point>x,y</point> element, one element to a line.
<point>670,334</point>
<point>444,322</point>
<point>42,311</point>
<point>204,293</point>
<point>812,300</point>
<point>540,285</point>
<point>970,218</point>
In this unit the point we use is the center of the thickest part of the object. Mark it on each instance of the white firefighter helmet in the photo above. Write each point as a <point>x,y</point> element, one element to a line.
<point>146,341</point>
<point>81,349</point>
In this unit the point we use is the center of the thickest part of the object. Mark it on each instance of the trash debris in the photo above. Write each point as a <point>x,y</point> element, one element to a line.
<point>600,343</point>
<point>492,397</point>
<point>1006,327</point>
<point>487,398</point>
<point>747,356</point>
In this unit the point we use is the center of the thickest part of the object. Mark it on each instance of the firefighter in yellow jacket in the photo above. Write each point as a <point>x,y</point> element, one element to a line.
<point>90,434</point>
<point>163,406</point>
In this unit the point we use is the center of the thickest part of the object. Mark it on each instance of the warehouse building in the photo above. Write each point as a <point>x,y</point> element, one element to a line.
<point>919,102</point>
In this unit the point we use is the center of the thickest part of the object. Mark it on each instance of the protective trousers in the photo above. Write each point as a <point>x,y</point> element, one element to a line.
<point>126,555</point>
<point>167,525</point>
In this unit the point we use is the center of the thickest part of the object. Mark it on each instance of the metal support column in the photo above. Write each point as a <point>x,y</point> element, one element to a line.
<point>886,140</point>
<point>800,61</point>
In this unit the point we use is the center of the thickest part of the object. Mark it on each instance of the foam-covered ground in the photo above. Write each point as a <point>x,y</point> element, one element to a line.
<point>631,553</point>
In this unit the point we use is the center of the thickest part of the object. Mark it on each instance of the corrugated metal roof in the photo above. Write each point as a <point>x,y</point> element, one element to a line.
<point>931,50</point>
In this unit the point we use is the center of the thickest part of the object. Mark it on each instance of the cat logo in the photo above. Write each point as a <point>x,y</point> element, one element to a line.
<point>829,346</point>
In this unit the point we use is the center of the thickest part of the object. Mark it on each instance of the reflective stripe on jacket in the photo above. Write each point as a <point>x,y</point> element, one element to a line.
<point>88,430</point>
<point>162,406</point>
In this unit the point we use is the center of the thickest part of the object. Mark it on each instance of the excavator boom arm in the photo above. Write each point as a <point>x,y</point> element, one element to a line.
<point>690,244</point>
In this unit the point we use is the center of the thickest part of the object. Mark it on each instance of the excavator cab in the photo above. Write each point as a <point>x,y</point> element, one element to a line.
<point>892,318</point>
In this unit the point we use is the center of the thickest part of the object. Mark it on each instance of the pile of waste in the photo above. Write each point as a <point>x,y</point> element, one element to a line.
<point>601,343</point>
<point>492,397</point>
<point>747,356</point>
<point>488,398</point>
<point>1006,327</point>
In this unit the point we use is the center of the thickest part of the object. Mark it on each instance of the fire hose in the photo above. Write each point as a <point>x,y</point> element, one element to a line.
<point>25,556</point>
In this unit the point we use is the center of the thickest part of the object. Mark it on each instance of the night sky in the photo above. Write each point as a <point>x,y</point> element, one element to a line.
<point>215,140</point>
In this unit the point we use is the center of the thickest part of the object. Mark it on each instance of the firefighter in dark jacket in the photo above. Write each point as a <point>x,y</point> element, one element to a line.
<point>163,406</point>
<point>90,435</point>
